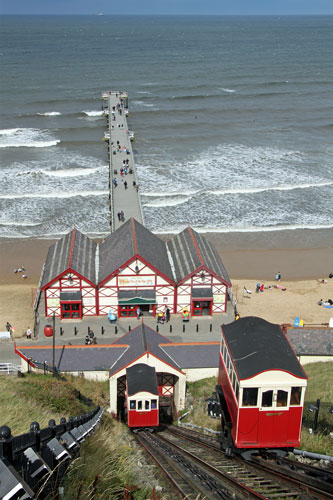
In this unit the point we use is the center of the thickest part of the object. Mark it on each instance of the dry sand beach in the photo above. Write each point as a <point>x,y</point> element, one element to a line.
<point>304,258</point>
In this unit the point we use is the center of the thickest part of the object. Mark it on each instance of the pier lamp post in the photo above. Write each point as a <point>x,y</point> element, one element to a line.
<point>53,346</point>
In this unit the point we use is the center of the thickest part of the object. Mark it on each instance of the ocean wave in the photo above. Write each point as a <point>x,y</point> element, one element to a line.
<point>93,113</point>
<point>142,103</point>
<point>49,113</point>
<point>160,194</point>
<point>250,229</point>
<point>167,203</point>
<point>231,91</point>
<point>26,137</point>
<point>77,172</point>
<point>50,195</point>
<point>19,224</point>
<point>288,187</point>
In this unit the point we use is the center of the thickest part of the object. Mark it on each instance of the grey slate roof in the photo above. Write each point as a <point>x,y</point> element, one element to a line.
<point>139,340</point>
<point>121,246</point>
<point>73,358</point>
<point>257,346</point>
<point>194,355</point>
<point>141,378</point>
<point>190,250</point>
<point>75,251</point>
<point>317,342</point>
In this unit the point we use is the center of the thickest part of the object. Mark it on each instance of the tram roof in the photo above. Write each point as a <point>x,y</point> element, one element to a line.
<point>257,346</point>
<point>141,378</point>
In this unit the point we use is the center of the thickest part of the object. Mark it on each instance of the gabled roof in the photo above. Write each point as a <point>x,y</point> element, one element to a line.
<point>190,250</point>
<point>141,378</point>
<point>74,251</point>
<point>141,340</point>
<point>257,346</point>
<point>128,241</point>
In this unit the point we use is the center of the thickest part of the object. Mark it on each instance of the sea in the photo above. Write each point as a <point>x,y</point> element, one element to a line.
<point>233,120</point>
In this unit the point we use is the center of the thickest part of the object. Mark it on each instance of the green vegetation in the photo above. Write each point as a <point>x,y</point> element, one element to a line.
<point>110,463</point>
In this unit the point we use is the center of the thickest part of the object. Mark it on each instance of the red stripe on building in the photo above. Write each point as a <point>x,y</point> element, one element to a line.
<point>134,237</point>
<point>72,248</point>
<point>196,246</point>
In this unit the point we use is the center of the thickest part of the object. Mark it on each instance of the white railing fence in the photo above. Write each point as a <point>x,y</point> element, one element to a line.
<point>8,368</point>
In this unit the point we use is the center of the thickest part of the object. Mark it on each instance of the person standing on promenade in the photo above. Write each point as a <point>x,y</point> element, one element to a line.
<point>29,333</point>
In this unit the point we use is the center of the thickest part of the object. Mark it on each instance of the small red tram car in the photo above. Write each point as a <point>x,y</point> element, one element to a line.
<point>261,387</point>
<point>142,397</point>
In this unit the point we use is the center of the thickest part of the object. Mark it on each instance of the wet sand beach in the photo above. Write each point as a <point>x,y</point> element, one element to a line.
<point>303,257</point>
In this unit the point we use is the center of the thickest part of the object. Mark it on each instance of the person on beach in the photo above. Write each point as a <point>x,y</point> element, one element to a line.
<point>258,287</point>
<point>262,287</point>
<point>29,333</point>
<point>278,276</point>
<point>8,327</point>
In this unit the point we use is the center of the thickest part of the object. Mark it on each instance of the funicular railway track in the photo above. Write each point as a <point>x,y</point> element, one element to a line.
<point>203,468</point>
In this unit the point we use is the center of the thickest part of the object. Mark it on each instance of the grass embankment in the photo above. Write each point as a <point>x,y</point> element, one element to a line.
<point>319,387</point>
<point>109,462</point>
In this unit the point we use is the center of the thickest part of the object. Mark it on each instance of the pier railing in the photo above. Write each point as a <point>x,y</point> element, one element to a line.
<point>32,465</point>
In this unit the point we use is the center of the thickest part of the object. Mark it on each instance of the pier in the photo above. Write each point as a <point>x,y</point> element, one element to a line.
<point>124,189</point>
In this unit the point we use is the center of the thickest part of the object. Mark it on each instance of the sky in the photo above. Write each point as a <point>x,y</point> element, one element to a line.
<point>171,7</point>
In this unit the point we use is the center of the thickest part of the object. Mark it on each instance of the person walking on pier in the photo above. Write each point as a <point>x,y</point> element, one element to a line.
<point>115,182</point>
<point>122,216</point>
<point>125,184</point>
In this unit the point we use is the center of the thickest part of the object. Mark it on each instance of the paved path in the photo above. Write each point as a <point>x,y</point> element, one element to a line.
<point>119,151</point>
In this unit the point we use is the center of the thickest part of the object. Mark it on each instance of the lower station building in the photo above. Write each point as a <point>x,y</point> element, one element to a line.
<point>132,268</point>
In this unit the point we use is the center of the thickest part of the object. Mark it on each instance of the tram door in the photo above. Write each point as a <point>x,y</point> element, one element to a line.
<point>273,416</point>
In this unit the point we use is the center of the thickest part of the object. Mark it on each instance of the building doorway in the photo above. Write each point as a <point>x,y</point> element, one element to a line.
<point>202,307</point>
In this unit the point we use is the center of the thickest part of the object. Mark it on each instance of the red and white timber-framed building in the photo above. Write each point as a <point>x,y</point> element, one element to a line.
<point>132,268</point>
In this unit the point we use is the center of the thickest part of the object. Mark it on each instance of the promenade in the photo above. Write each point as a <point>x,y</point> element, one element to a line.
<point>124,189</point>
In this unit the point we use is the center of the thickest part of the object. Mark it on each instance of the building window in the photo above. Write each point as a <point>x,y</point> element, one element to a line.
<point>250,396</point>
<point>295,396</point>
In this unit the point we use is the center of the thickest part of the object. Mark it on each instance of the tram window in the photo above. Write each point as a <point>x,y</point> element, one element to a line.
<point>282,398</point>
<point>250,396</point>
<point>267,399</point>
<point>295,397</point>
<point>153,404</point>
<point>237,390</point>
<point>146,405</point>
<point>139,405</point>
<point>132,405</point>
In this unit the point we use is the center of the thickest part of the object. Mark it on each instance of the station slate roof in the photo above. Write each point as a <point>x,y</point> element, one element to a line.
<point>75,251</point>
<point>315,342</point>
<point>190,250</point>
<point>257,346</point>
<point>131,239</point>
<point>194,355</point>
<point>70,358</point>
<point>141,377</point>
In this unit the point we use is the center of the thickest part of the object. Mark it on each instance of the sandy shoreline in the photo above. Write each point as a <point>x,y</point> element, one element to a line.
<point>304,257</point>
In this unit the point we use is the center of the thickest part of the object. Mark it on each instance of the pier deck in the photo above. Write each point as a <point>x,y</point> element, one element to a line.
<point>121,199</point>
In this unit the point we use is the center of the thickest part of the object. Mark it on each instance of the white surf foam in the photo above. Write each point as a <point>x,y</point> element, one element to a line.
<point>231,91</point>
<point>93,113</point>
<point>77,172</point>
<point>50,195</point>
<point>167,203</point>
<point>26,137</point>
<point>288,187</point>
<point>258,229</point>
<point>19,224</point>
<point>50,113</point>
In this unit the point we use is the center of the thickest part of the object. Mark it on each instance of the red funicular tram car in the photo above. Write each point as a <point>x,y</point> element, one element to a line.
<point>142,397</point>
<point>261,386</point>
